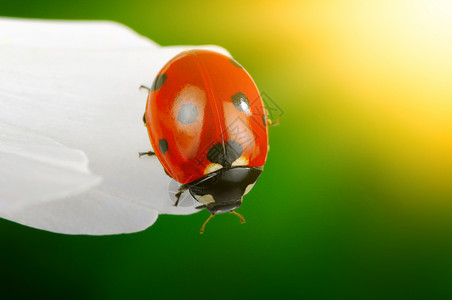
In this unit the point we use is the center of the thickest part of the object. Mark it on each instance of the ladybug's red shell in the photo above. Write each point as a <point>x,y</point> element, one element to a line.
<point>204,112</point>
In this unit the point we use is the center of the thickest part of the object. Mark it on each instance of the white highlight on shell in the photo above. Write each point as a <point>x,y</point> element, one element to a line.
<point>244,106</point>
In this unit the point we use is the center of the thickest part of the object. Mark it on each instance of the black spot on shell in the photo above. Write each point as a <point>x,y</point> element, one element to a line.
<point>235,63</point>
<point>226,155</point>
<point>215,153</point>
<point>187,113</point>
<point>240,101</point>
<point>158,82</point>
<point>163,145</point>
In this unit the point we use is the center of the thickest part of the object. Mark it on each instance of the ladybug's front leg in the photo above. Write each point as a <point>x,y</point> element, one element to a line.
<point>269,121</point>
<point>149,153</point>
<point>273,123</point>
<point>146,88</point>
<point>181,190</point>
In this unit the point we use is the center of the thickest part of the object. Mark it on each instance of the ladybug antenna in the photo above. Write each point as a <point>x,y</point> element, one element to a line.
<point>204,225</point>
<point>242,219</point>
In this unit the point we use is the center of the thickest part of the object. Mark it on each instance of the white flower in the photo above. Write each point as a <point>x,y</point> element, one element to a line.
<point>71,127</point>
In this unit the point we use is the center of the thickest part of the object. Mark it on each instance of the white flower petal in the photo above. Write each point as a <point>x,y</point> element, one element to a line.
<point>73,87</point>
<point>96,213</point>
<point>35,169</point>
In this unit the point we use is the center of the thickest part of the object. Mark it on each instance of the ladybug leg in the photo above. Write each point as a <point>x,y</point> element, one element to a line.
<point>144,87</point>
<point>144,118</point>
<point>149,153</point>
<point>273,123</point>
<point>182,189</point>
<point>269,121</point>
<point>178,198</point>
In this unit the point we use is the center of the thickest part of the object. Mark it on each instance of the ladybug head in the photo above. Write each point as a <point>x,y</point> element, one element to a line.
<point>222,191</point>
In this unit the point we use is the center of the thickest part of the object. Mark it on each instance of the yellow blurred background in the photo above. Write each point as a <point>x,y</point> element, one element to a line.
<point>387,66</point>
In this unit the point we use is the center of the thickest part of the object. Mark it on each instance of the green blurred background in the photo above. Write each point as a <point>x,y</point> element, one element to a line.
<point>355,201</point>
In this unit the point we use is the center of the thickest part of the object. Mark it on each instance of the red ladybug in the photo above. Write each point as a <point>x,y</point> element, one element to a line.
<point>208,127</point>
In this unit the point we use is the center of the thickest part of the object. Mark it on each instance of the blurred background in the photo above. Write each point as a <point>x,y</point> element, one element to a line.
<point>356,198</point>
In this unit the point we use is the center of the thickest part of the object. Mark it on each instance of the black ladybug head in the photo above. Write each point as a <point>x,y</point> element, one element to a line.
<point>219,208</point>
<point>223,190</point>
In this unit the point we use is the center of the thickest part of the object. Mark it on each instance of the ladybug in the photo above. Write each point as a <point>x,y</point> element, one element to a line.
<point>208,127</point>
